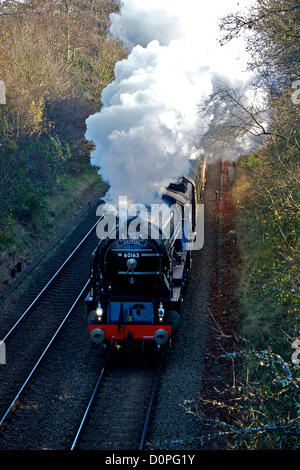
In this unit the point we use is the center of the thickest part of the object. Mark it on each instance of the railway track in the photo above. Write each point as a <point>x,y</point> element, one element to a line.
<point>46,309</point>
<point>54,400</point>
<point>34,329</point>
<point>32,335</point>
<point>124,428</point>
<point>42,275</point>
<point>38,362</point>
<point>128,424</point>
<point>50,283</point>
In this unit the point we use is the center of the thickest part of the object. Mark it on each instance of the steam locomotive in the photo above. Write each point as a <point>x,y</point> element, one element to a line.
<point>136,289</point>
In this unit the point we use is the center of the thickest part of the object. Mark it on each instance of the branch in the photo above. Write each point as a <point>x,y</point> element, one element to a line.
<point>241,23</point>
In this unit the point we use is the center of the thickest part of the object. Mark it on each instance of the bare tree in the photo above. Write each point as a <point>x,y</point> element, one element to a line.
<point>273,31</point>
<point>238,119</point>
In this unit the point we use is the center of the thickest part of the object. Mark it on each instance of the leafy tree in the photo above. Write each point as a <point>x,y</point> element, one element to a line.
<point>56,56</point>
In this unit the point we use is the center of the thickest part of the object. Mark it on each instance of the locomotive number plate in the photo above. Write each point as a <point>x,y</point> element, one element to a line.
<point>131,255</point>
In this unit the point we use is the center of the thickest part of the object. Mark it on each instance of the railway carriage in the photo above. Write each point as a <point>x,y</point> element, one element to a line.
<point>137,283</point>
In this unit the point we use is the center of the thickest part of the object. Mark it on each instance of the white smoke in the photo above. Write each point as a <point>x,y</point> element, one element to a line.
<point>149,125</point>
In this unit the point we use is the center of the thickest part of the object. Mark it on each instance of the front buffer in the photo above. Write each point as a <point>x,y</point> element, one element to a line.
<point>129,327</point>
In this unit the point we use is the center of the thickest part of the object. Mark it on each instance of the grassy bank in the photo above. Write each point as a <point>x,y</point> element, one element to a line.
<point>268,396</point>
<point>30,236</point>
<point>251,394</point>
<point>269,276</point>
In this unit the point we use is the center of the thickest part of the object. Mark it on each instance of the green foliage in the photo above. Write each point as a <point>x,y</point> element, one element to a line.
<point>267,228</point>
<point>265,399</point>
<point>55,60</point>
<point>268,239</point>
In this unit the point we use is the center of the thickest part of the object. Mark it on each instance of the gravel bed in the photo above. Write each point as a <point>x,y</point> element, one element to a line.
<point>172,427</point>
<point>51,409</point>
<point>117,424</point>
<point>54,402</point>
<point>32,336</point>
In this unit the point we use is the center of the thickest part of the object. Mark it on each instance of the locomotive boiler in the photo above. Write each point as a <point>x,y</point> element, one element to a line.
<point>137,282</point>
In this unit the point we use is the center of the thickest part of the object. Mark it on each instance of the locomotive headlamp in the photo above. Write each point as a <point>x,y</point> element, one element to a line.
<point>99,312</point>
<point>161,312</point>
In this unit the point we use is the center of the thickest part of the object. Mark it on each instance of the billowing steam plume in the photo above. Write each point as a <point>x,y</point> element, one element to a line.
<point>149,124</point>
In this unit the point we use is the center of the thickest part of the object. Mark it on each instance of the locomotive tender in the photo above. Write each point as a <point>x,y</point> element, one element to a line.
<point>136,283</point>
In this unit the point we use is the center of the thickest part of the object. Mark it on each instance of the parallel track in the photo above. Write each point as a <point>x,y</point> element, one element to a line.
<point>43,292</point>
<point>33,330</point>
<point>38,362</point>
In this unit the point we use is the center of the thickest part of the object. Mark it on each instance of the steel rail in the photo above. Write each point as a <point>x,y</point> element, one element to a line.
<point>95,391</point>
<point>12,329</point>
<point>43,354</point>
<point>147,419</point>
<point>82,423</point>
